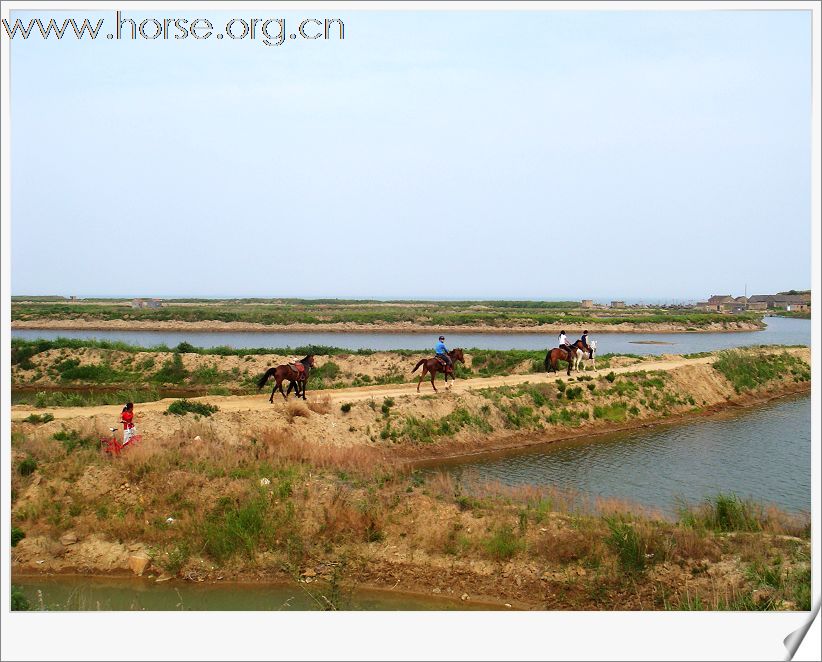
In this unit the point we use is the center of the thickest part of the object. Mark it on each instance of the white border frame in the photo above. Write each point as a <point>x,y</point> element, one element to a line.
<point>390,635</point>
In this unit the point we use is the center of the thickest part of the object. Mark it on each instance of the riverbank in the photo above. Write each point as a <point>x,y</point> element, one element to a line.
<point>591,323</point>
<point>323,491</point>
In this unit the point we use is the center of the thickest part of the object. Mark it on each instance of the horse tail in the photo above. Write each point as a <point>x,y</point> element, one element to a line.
<point>266,376</point>
<point>418,365</point>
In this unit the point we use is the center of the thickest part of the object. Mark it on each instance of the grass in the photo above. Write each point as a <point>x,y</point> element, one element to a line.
<point>183,407</point>
<point>748,370</point>
<point>503,544</point>
<point>36,419</point>
<point>724,513</point>
<point>238,528</point>
<point>300,311</point>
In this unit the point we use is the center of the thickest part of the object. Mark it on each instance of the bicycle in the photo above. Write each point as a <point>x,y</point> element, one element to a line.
<point>113,447</point>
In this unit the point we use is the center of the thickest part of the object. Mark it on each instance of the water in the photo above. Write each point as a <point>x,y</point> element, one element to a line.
<point>780,331</point>
<point>67,593</point>
<point>764,454</point>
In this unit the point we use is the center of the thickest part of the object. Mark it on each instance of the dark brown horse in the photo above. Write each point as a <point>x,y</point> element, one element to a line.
<point>559,354</point>
<point>433,366</point>
<point>296,377</point>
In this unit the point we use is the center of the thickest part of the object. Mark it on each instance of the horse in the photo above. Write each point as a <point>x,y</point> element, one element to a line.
<point>557,354</point>
<point>579,357</point>
<point>434,366</point>
<point>292,374</point>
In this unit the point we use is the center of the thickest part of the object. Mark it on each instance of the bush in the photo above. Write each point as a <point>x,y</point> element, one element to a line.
<point>611,376</point>
<point>725,512</point>
<point>503,544</point>
<point>172,371</point>
<point>18,600</point>
<point>345,407</point>
<point>72,439</point>
<point>749,370</point>
<point>16,536</point>
<point>183,407</point>
<point>41,418</point>
<point>28,466</point>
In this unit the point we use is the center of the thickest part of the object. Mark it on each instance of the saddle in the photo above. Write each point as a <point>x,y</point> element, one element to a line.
<point>443,363</point>
<point>299,368</point>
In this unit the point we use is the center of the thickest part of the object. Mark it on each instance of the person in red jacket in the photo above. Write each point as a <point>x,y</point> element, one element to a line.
<point>127,419</point>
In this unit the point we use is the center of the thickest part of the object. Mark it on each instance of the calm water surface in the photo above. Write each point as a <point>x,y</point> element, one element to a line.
<point>119,594</point>
<point>764,454</point>
<point>780,331</point>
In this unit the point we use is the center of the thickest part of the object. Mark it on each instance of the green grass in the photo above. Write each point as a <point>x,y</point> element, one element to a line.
<point>422,430</point>
<point>237,528</point>
<point>748,370</point>
<point>503,544</point>
<point>724,513</point>
<point>183,407</point>
<point>16,536</point>
<point>72,440</point>
<point>39,418</point>
<point>616,412</point>
<point>451,313</point>
<point>27,466</point>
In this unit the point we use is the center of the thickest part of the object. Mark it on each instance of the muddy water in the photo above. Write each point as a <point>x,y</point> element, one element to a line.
<point>780,331</point>
<point>764,454</point>
<point>119,594</point>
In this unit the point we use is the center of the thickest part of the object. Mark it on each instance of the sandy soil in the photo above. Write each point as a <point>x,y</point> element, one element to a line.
<point>349,327</point>
<point>241,417</point>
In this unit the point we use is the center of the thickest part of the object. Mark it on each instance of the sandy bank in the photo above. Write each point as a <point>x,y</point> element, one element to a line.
<point>350,327</point>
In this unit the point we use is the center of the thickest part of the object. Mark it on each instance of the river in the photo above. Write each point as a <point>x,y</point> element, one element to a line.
<point>779,331</point>
<point>762,453</point>
<point>72,593</point>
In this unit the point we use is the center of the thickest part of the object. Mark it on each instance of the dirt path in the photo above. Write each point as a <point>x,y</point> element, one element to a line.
<point>233,403</point>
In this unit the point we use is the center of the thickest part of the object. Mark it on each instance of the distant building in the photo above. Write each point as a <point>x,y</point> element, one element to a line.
<point>587,303</point>
<point>146,303</point>
<point>617,304</point>
<point>789,302</point>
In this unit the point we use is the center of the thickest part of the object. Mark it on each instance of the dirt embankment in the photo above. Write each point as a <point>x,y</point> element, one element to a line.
<point>470,416</point>
<point>332,498</point>
<point>350,327</point>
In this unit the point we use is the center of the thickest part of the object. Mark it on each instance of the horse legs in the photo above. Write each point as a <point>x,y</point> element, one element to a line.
<point>273,391</point>
<point>302,389</point>
<point>422,374</point>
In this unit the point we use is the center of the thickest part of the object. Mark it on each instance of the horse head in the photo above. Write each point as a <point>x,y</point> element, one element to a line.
<point>456,355</point>
<point>593,347</point>
<point>308,361</point>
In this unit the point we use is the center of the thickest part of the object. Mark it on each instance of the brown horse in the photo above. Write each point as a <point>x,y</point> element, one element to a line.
<point>434,366</point>
<point>296,378</point>
<point>557,354</point>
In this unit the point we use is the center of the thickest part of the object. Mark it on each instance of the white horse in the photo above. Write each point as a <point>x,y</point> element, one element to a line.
<point>579,357</point>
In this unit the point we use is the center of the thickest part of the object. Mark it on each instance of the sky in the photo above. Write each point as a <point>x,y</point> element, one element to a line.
<point>544,155</point>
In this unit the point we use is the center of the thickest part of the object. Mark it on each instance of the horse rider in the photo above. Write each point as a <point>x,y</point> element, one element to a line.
<point>442,354</point>
<point>584,341</point>
<point>564,344</point>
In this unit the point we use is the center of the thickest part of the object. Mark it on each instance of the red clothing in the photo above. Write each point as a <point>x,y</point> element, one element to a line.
<point>127,420</point>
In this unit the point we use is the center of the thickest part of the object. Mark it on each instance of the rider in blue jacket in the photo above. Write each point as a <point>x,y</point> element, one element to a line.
<point>442,353</point>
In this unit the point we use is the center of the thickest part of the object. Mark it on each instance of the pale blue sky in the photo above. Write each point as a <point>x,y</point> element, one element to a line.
<point>467,154</point>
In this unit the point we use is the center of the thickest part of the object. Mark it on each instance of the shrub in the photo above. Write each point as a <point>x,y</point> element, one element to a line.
<point>172,371</point>
<point>71,439</point>
<point>636,545</point>
<point>41,418</point>
<point>725,512</point>
<point>749,370</point>
<point>345,407</point>
<point>503,544</point>
<point>28,466</point>
<point>611,376</point>
<point>574,393</point>
<point>615,412</point>
<point>18,600</point>
<point>232,528</point>
<point>183,407</point>
<point>16,536</point>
